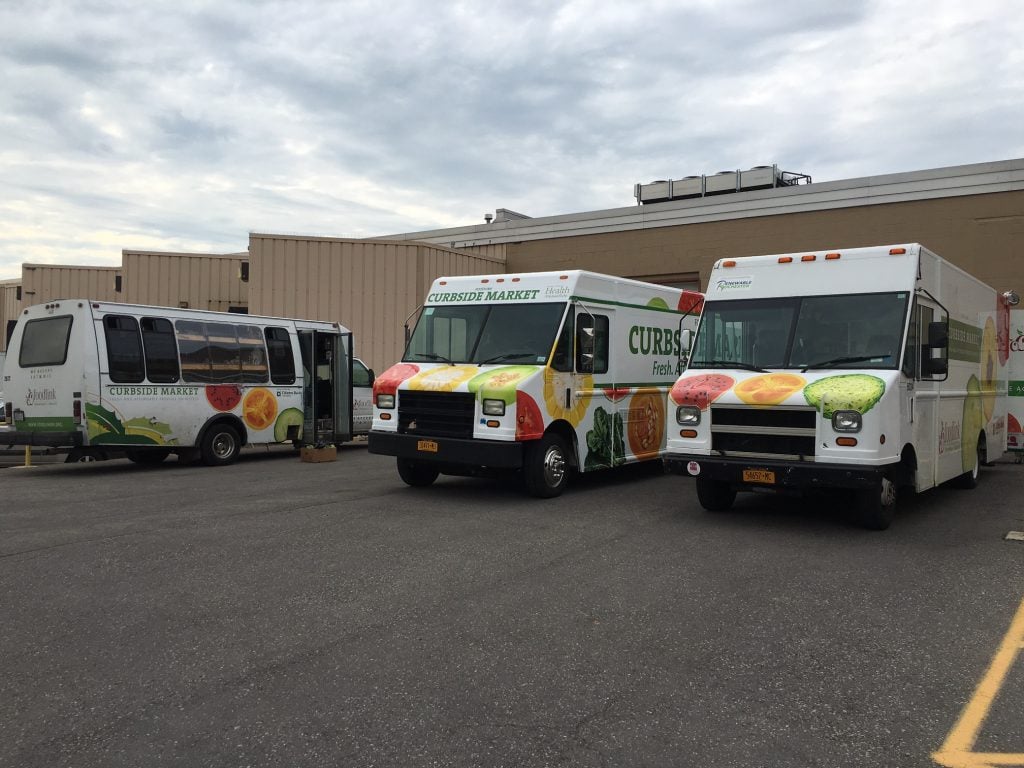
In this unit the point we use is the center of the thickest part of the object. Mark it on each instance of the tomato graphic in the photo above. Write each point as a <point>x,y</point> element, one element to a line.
<point>529,421</point>
<point>701,390</point>
<point>616,394</point>
<point>223,397</point>
<point>646,426</point>
<point>769,389</point>
<point>387,383</point>
<point>692,302</point>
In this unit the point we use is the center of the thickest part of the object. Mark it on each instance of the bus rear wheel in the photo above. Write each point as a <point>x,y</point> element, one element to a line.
<point>220,445</point>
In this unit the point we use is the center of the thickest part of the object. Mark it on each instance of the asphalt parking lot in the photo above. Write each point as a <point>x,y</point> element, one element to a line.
<point>281,613</point>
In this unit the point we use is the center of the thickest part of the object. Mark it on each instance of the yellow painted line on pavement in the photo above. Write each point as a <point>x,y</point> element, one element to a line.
<point>956,751</point>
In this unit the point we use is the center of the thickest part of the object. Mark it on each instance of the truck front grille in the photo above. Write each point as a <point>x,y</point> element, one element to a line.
<point>772,432</point>
<point>436,414</point>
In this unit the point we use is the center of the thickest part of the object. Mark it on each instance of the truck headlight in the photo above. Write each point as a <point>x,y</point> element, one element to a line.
<point>688,415</point>
<point>494,407</point>
<point>385,402</point>
<point>846,421</point>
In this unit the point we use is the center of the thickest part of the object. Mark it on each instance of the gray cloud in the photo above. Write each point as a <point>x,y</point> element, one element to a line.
<point>185,125</point>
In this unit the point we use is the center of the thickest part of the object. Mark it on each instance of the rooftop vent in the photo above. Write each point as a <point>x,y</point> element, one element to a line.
<point>723,182</point>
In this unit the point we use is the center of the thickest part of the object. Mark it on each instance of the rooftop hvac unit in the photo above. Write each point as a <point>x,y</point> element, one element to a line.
<point>758,177</point>
<point>721,182</point>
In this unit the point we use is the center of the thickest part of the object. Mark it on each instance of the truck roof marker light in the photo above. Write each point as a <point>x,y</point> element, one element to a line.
<point>444,282</point>
<point>846,441</point>
<point>785,259</point>
<point>500,280</point>
<point>832,256</point>
<point>808,257</point>
<point>485,280</point>
<point>515,279</point>
<point>563,277</point>
<point>728,263</point>
<point>897,251</point>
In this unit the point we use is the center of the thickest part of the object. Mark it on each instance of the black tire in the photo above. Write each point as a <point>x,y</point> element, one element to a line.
<point>416,474</point>
<point>148,456</point>
<point>715,495</point>
<point>546,467</point>
<point>220,445</point>
<point>876,506</point>
<point>969,479</point>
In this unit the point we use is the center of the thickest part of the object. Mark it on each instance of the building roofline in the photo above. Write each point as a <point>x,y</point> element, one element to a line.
<point>952,181</point>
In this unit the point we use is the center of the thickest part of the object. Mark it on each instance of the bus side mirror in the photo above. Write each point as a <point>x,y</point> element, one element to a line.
<point>586,341</point>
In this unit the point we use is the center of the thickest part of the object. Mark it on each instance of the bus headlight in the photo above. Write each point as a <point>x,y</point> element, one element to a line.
<point>846,421</point>
<point>385,402</point>
<point>688,415</point>
<point>494,407</point>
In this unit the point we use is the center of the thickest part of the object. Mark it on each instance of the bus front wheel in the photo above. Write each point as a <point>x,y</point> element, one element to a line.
<point>220,445</point>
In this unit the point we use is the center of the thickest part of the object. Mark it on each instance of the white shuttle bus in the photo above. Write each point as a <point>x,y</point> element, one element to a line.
<point>546,372</point>
<point>100,378</point>
<point>867,369</point>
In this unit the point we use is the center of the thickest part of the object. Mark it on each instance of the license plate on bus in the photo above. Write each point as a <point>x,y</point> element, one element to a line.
<point>758,476</point>
<point>426,445</point>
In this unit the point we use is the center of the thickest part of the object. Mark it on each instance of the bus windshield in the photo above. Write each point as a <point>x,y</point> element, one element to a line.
<point>803,332</point>
<point>485,333</point>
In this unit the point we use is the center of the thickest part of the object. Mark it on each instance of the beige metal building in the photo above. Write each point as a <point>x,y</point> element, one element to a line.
<point>195,280</point>
<point>10,307</point>
<point>47,282</point>
<point>369,286</point>
<point>972,215</point>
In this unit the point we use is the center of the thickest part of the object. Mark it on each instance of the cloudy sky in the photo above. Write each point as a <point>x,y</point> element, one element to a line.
<point>184,126</point>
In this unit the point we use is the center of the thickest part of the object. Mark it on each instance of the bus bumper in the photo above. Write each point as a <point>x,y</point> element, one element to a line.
<point>12,436</point>
<point>784,474</point>
<point>448,450</point>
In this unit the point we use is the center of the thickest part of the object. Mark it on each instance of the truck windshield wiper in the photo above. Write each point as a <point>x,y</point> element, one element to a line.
<point>432,356</point>
<point>506,356</point>
<point>728,364</point>
<point>838,360</point>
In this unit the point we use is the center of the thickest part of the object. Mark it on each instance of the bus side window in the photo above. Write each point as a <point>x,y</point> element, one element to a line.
<point>160,350</point>
<point>282,360</point>
<point>124,349</point>
<point>253,354</point>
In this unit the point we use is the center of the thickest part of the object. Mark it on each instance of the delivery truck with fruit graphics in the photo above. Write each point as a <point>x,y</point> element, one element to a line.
<point>544,373</point>
<point>867,369</point>
<point>107,379</point>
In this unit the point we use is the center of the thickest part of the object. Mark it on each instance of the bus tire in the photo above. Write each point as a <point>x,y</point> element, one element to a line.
<point>715,495</point>
<point>415,473</point>
<point>545,466</point>
<point>147,456</point>
<point>220,445</point>
<point>876,506</point>
<point>969,479</point>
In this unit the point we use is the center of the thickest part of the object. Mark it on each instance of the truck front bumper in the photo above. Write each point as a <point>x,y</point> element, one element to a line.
<point>786,474</point>
<point>448,450</point>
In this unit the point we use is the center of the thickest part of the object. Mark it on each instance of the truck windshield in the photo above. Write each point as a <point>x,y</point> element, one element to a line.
<point>485,333</point>
<point>851,331</point>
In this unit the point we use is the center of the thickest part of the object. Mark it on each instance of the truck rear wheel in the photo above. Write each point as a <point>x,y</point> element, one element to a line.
<point>969,479</point>
<point>545,467</point>
<point>876,506</point>
<point>715,495</point>
<point>416,474</point>
<point>148,455</point>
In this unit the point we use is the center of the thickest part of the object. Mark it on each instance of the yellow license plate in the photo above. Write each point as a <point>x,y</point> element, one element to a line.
<point>426,445</point>
<point>758,476</point>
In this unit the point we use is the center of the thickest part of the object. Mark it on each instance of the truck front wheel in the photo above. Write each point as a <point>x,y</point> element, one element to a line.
<point>876,506</point>
<point>416,474</point>
<point>545,467</point>
<point>715,495</point>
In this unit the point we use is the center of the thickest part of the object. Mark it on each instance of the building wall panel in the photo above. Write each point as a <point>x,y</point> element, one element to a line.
<point>10,308</point>
<point>204,281</point>
<point>980,233</point>
<point>41,283</point>
<point>369,286</point>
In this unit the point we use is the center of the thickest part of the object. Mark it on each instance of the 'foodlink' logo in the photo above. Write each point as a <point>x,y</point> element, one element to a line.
<point>949,437</point>
<point>40,396</point>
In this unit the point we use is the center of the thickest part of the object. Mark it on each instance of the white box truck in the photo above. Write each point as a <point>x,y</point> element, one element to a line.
<point>546,372</point>
<point>1015,409</point>
<point>867,369</point>
<point>103,378</point>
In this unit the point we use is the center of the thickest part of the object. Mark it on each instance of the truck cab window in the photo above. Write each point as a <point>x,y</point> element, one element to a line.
<point>599,325</point>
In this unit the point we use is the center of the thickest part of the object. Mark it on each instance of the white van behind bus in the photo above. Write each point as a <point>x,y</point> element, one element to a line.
<point>102,378</point>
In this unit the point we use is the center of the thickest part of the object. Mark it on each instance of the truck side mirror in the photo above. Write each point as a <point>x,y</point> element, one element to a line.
<point>936,357</point>
<point>372,376</point>
<point>586,341</point>
<point>938,335</point>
